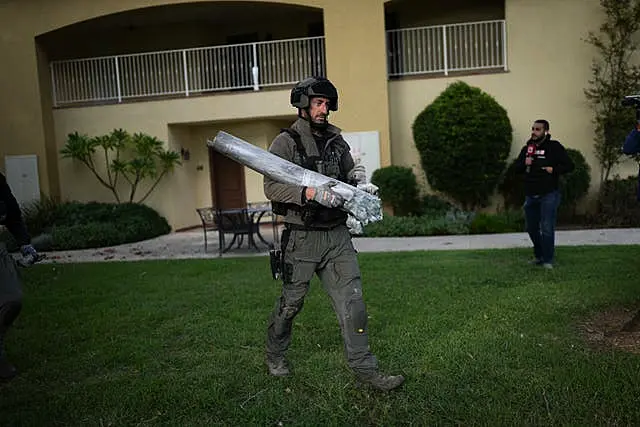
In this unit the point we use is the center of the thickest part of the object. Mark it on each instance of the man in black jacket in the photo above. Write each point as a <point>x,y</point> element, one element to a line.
<point>10,288</point>
<point>542,160</point>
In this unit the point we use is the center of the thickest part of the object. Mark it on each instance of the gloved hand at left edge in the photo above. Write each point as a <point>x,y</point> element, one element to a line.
<point>29,255</point>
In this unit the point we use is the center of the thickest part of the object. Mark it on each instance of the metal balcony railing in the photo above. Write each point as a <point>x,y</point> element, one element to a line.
<point>186,71</point>
<point>447,48</point>
<point>411,51</point>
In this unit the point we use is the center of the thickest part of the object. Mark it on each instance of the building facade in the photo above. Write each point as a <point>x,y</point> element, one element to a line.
<point>181,71</point>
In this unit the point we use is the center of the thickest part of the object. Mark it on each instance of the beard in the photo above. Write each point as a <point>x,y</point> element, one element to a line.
<point>319,125</point>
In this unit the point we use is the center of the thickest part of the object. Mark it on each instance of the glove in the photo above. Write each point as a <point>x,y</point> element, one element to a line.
<point>358,174</point>
<point>369,188</point>
<point>327,197</point>
<point>29,255</point>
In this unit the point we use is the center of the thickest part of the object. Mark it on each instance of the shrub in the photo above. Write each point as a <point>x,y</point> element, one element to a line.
<point>75,225</point>
<point>464,139</point>
<point>511,187</point>
<point>398,187</point>
<point>433,205</point>
<point>39,214</point>
<point>502,222</point>
<point>94,224</point>
<point>394,226</point>
<point>617,203</point>
<point>574,185</point>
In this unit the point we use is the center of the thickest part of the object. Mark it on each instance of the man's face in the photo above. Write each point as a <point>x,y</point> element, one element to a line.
<point>319,110</point>
<point>537,131</point>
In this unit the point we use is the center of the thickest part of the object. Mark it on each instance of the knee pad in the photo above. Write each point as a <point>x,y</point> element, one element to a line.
<point>8,313</point>
<point>288,311</point>
<point>357,314</point>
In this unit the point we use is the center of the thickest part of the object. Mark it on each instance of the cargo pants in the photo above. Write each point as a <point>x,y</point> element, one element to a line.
<point>329,254</point>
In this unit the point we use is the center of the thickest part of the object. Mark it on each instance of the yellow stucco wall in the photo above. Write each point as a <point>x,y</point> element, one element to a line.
<point>549,66</point>
<point>548,69</point>
<point>181,123</point>
<point>356,62</point>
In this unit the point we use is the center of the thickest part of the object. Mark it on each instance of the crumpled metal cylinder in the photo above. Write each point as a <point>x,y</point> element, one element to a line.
<point>365,207</point>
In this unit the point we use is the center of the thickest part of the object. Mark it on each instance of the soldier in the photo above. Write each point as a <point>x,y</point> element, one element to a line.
<point>316,239</point>
<point>10,288</point>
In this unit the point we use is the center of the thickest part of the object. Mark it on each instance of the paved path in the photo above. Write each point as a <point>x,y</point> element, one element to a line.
<point>190,244</point>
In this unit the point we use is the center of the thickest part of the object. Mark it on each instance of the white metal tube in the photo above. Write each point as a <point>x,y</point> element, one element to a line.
<point>255,69</point>
<point>504,45</point>
<point>446,54</point>
<point>119,91</point>
<point>186,75</point>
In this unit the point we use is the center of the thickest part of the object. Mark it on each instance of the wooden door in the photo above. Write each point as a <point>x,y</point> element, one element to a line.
<point>227,182</point>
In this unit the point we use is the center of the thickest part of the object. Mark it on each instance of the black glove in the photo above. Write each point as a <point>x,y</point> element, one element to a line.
<point>327,197</point>
<point>29,255</point>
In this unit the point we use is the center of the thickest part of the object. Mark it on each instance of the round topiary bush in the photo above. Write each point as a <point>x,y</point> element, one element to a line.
<point>511,187</point>
<point>574,185</point>
<point>464,139</point>
<point>398,187</point>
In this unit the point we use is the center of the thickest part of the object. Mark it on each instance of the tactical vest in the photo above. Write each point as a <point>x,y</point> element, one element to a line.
<point>328,164</point>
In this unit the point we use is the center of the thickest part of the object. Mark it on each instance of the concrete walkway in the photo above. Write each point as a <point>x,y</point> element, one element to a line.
<point>190,245</point>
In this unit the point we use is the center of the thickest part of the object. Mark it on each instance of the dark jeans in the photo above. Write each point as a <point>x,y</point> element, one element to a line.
<point>540,218</point>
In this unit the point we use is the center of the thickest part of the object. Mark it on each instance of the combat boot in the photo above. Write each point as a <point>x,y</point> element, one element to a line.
<point>380,381</point>
<point>278,367</point>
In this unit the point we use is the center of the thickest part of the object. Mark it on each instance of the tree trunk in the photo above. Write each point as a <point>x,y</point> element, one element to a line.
<point>633,325</point>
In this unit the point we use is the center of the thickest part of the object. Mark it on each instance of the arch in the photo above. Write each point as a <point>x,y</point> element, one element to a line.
<point>63,14</point>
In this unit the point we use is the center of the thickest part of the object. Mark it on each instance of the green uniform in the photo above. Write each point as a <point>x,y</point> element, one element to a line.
<point>317,242</point>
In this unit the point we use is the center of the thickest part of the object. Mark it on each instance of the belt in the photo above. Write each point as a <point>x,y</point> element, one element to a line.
<point>298,227</point>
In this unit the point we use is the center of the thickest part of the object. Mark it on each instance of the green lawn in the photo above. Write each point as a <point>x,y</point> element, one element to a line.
<point>482,338</point>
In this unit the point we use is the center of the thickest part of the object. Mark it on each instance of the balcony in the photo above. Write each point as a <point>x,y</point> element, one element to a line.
<point>440,49</point>
<point>186,72</point>
<point>444,49</point>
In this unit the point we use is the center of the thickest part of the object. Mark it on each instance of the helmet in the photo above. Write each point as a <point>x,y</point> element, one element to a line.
<point>304,90</point>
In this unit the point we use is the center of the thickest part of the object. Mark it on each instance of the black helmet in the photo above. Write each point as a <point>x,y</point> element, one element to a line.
<point>304,90</point>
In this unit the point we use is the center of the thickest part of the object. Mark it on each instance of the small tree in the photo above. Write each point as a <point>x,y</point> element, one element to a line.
<point>134,158</point>
<point>613,76</point>
<point>463,138</point>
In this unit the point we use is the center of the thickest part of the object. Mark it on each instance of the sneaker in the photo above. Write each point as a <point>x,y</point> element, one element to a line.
<point>381,381</point>
<point>278,367</point>
<point>7,370</point>
<point>547,265</point>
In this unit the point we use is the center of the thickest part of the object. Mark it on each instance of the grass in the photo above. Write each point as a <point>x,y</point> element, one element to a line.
<point>481,337</point>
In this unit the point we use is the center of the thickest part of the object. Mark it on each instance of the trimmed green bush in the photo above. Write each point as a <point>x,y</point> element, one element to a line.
<point>503,222</point>
<point>617,203</point>
<point>433,205</point>
<point>394,226</point>
<point>94,224</point>
<point>398,187</point>
<point>511,187</point>
<point>75,225</point>
<point>575,185</point>
<point>464,139</point>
